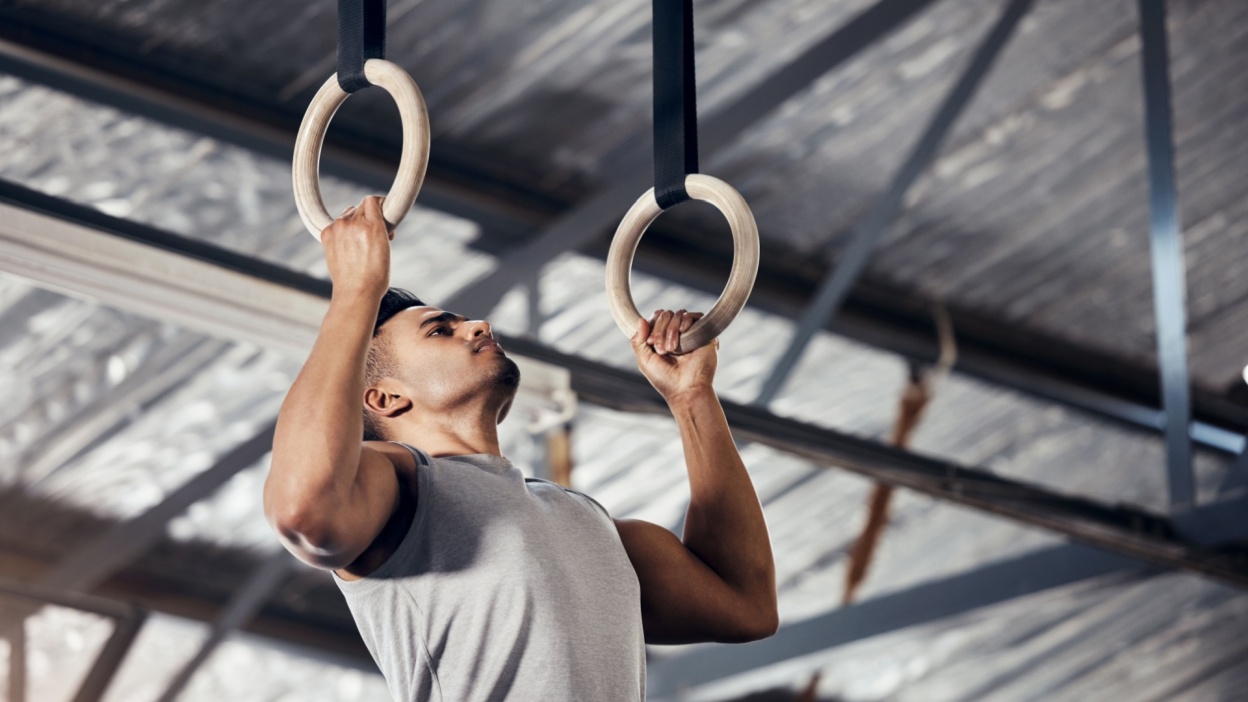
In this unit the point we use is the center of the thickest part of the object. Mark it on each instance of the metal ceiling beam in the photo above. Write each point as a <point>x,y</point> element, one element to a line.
<point>1169,288</point>
<point>68,439</point>
<point>895,321</point>
<point>95,561</point>
<point>203,293</point>
<point>72,59</point>
<point>242,608</point>
<point>127,619</point>
<point>131,269</point>
<point>924,603</point>
<point>68,56</point>
<point>835,286</point>
<point>1122,529</point>
<point>42,595</point>
<point>109,659</point>
<point>36,54</point>
<point>57,244</point>
<point>588,219</point>
<point>86,567</point>
<point>330,633</point>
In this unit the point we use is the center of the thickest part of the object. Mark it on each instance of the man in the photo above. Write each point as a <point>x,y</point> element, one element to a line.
<point>468,581</point>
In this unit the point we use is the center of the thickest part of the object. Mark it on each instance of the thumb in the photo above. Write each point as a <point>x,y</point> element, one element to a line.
<point>372,207</point>
<point>638,339</point>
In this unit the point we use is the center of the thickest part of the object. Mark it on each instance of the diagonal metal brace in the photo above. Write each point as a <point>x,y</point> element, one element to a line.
<point>835,287</point>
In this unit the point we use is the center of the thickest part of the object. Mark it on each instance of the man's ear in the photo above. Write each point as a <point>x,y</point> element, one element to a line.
<point>387,399</point>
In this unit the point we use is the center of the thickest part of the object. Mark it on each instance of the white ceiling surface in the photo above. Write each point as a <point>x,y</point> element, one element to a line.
<point>67,360</point>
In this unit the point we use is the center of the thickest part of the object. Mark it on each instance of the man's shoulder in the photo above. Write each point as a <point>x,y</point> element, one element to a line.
<point>569,490</point>
<point>400,455</point>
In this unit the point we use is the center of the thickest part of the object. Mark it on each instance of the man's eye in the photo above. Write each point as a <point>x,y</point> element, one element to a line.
<point>437,330</point>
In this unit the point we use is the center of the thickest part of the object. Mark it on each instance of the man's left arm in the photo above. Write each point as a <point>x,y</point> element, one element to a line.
<point>718,582</point>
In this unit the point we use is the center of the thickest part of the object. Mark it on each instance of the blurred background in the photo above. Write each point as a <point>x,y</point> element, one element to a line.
<point>976,166</point>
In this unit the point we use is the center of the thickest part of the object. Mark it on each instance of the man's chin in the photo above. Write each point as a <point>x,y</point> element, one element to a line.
<point>508,375</point>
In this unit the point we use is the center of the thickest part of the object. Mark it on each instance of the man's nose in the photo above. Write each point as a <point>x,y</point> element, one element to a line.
<point>482,327</point>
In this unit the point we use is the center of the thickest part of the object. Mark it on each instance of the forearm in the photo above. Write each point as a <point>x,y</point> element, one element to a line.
<point>316,447</point>
<point>724,525</point>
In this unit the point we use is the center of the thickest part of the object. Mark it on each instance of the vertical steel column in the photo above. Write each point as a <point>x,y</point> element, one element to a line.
<point>17,662</point>
<point>1167,255</point>
<point>835,287</point>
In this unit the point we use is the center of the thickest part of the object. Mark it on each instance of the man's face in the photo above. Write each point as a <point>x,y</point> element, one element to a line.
<point>447,360</point>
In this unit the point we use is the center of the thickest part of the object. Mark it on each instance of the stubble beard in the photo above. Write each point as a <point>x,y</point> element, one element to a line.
<point>507,374</point>
<point>504,385</point>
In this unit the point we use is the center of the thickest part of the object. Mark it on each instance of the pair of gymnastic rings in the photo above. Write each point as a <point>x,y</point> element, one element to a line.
<point>411,174</point>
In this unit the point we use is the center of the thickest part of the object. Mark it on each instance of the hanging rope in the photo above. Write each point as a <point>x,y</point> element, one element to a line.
<point>361,36</point>
<point>675,101</point>
<point>811,692</point>
<point>920,387</point>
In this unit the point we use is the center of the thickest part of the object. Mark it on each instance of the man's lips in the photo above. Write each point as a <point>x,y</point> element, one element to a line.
<point>486,344</point>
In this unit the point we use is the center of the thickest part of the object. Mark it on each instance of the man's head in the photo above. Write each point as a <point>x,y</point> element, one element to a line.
<point>430,362</point>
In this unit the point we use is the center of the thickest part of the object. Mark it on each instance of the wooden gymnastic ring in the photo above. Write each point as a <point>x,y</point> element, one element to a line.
<point>744,260</point>
<point>412,162</point>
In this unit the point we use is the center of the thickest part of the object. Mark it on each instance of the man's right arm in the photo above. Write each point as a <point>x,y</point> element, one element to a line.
<point>328,494</point>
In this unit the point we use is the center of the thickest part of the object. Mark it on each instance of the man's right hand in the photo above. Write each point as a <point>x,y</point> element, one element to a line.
<point>357,249</point>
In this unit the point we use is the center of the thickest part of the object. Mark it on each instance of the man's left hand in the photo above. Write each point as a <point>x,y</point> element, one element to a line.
<point>674,376</point>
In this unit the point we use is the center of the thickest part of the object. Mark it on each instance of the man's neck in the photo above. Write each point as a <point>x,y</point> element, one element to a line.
<point>451,439</point>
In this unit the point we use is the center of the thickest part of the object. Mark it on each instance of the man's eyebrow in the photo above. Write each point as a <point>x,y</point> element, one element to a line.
<point>444,317</point>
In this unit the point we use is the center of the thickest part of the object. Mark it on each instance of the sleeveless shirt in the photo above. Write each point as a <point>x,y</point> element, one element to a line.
<point>504,588</point>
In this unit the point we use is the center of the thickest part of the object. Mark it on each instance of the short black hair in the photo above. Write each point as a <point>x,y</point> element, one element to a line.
<point>393,302</point>
<point>377,365</point>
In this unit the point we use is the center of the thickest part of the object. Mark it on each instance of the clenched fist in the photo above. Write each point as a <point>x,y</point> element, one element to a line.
<point>673,375</point>
<point>357,249</point>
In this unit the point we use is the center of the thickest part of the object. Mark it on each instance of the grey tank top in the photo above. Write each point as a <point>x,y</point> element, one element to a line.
<point>504,588</point>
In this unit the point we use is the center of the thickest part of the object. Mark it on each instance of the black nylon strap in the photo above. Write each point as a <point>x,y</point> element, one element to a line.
<point>675,101</point>
<point>361,36</point>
